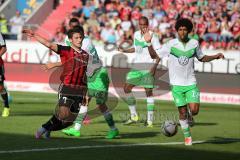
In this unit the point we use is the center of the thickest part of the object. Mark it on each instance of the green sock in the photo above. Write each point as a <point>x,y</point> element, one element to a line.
<point>186,132</point>
<point>109,119</point>
<point>185,128</point>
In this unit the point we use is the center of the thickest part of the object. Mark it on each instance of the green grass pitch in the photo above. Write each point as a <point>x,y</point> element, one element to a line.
<point>217,127</point>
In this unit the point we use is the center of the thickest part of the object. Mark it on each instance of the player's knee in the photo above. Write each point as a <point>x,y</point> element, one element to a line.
<point>149,92</point>
<point>103,108</point>
<point>182,116</point>
<point>127,90</point>
<point>63,113</point>
<point>182,113</point>
<point>195,111</point>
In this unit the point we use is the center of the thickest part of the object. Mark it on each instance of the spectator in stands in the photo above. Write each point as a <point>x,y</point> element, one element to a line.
<point>172,12</point>
<point>102,19</point>
<point>115,20</point>
<point>112,9</point>
<point>93,22</point>
<point>59,36</point>
<point>108,34</point>
<point>164,24</point>
<point>119,34</point>
<point>95,35</point>
<point>125,10</point>
<point>147,11</point>
<point>202,3</point>
<point>167,35</point>
<point>135,15</point>
<point>3,25</point>
<point>126,23</point>
<point>235,29</point>
<point>16,24</point>
<point>132,3</point>
<point>100,10</point>
<point>153,22</point>
<point>235,15</point>
<point>212,31</point>
<point>159,12</point>
<point>88,9</point>
<point>201,26</point>
<point>225,35</point>
<point>206,15</point>
<point>127,28</point>
<point>75,11</point>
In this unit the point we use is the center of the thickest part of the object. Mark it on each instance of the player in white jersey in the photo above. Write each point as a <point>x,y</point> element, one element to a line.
<point>146,44</point>
<point>98,83</point>
<point>181,53</point>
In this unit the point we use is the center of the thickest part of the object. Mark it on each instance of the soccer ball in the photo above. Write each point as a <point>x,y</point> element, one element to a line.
<point>169,128</point>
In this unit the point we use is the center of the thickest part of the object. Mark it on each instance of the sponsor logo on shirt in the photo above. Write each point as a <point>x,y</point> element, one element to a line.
<point>183,60</point>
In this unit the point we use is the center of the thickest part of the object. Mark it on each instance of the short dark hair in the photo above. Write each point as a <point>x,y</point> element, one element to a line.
<point>76,29</point>
<point>184,22</point>
<point>74,20</point>
<point>144,18</point>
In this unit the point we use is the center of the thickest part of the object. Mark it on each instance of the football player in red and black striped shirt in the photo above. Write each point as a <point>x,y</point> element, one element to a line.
<point>73,88</point>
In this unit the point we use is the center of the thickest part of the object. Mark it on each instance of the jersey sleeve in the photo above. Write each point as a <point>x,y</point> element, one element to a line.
<point>2,41</point>
<point>164,50</point>
<point>61,49</point>
<point>199,53</point>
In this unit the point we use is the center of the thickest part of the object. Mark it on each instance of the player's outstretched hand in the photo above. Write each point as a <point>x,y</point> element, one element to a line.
<point>147,36</point>
<point>220,56</point>
<point>47,66</point>
<point>28,32</point>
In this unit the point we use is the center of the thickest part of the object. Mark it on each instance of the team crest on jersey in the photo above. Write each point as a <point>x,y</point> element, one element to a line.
<point>183,60</point>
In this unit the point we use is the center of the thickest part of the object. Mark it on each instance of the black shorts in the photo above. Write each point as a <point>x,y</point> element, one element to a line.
<point>73,101</point>
<point>2,77</point>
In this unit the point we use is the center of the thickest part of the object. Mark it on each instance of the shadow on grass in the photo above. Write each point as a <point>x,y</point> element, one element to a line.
<point>223,140</point>
<point>99,148</point>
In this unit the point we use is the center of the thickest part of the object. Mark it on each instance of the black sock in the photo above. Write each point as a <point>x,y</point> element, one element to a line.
<point>5,99</point>
<point>54,124</point>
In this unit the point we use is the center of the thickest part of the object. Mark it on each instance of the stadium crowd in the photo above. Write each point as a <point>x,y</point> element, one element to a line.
<point>216,22</point>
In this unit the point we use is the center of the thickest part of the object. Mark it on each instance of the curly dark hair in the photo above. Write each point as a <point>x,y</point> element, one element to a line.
<point>184,22</point>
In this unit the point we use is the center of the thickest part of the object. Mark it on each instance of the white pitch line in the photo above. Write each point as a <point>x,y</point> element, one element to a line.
<point>96,146</point>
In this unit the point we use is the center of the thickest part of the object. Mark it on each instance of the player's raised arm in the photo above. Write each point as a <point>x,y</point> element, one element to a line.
<point>151,48</point>
<point>207,58</point>
<point>49,65</point>
<point>151,44</point>
<point>40,39</point>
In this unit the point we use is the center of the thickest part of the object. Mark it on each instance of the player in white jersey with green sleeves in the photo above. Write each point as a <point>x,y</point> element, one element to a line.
<point>181,53</point>
<point>146,44</point>
<point>98,83</point>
